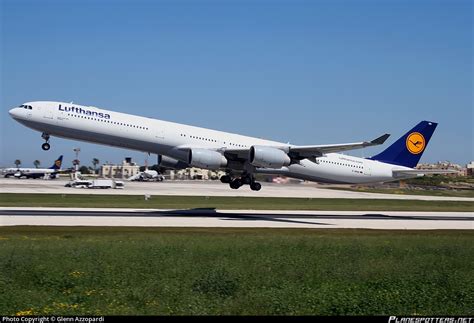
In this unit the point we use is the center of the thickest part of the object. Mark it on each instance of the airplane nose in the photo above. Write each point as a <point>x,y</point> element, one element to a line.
<point>13,112</point>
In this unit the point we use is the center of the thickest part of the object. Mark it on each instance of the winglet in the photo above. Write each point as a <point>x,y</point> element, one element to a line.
<point>380,140</point>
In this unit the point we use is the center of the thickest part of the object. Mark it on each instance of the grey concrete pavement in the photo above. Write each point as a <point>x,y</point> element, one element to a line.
<point>237,218</point>
<point>203,188</point>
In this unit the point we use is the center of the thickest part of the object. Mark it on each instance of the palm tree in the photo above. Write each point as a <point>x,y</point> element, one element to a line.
<point>36,163</point>
<point>17,163</point>
<point>95,162</point>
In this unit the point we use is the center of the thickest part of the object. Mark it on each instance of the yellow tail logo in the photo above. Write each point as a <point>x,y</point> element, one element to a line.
<point>415,143</point>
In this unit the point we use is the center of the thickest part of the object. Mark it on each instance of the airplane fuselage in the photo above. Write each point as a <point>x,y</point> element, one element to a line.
<point>30,172</point>
<point>91,124</point>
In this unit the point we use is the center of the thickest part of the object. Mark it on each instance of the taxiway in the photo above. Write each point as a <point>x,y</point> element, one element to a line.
<point>14,216</point>
<point>204,188</point>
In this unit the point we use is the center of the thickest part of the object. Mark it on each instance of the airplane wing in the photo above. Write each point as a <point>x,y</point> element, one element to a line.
<point>302,152</point>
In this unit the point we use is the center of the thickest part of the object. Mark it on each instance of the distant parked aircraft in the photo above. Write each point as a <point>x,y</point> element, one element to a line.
<point>46,173</point>
<point>147,175</point>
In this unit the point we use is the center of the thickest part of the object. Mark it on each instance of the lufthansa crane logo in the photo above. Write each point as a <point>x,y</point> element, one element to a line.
<point>415,143</point>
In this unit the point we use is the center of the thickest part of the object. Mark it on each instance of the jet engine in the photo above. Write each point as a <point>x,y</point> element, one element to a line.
<point>208,159</point>
<point>168,162</point>
<point>268,157</point>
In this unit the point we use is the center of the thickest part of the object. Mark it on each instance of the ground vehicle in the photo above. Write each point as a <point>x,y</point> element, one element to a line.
<point>119,184</point>
<point>96,183</point>
<point>147,176</point>
<point>79,183</point>
<point>101,183</point>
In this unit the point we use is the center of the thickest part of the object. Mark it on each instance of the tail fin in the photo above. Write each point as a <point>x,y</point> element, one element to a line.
<point>57,163</point>
<point>407,150</point>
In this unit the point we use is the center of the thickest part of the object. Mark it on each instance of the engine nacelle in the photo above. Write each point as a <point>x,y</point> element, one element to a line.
<point>168,162</point>
<point>268,157</point>
<point>208,159</point>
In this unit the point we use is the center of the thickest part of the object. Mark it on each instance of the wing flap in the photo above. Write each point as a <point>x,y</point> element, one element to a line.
<point>319,150</point>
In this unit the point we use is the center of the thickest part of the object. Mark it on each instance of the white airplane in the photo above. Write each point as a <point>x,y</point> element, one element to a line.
<point>179,146</point>
<point>45,173</point>
<point>147,175</point>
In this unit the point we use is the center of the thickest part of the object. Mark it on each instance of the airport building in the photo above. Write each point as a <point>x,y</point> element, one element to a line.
<point>124,170</point>
<point>445,165</point>
<point>196,174</point>
<point>470,169</point>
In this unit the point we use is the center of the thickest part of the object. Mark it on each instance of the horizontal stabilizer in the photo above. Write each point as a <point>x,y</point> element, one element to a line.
<point>411,172</point>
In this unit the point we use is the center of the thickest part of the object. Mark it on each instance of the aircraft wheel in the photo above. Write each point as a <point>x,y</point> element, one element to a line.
<point>45,146</point>
<point>226,179</point>
<point>235,184</point>
<point>256,186</point>
<point>247,180</point>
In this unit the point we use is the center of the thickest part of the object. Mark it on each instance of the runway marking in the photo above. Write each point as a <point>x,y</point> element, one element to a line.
<point>232,218</point>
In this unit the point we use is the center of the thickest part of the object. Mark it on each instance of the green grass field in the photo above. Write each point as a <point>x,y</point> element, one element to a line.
<point>255,203</point>
<point>407,191</point>
<point>166,271</point>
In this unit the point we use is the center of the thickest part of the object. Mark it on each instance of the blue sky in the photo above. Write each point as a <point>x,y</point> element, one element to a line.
<point>305,72</point>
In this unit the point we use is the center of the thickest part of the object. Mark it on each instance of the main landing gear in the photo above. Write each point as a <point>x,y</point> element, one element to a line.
<point>46,145</point>
<point>237,182</point>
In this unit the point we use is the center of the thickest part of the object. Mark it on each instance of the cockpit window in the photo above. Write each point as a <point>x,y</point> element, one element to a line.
<point>22,106</point>
<point>30,107</point>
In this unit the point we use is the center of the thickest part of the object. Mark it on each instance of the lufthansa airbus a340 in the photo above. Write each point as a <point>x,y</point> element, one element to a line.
<point>179,146</point>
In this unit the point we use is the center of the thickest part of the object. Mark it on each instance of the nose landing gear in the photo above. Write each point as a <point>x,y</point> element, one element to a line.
<point>46,145</point>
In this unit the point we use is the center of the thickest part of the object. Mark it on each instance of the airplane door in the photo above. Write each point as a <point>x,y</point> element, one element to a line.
<point>62,116</point>
<point>159,135</point>
<point>367,170</point>
<point>48,114</point>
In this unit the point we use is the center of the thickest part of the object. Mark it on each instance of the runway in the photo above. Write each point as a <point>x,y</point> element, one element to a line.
<point>204,188</point>
<point>237,219</point>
